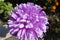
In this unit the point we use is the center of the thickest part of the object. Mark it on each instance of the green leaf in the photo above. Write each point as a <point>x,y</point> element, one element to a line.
<point>5,7</point>
<point>1,0</point>
<point>1,11</point>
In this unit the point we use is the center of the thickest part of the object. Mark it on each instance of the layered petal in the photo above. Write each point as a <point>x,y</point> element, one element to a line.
<point>28,21</point>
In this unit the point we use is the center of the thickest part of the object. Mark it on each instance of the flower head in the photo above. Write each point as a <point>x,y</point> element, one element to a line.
<point>28,21</point>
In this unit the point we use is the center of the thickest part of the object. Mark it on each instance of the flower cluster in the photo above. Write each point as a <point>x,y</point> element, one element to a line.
<point>28,21</point>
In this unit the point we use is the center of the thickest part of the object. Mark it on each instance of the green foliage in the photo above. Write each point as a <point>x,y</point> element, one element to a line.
<point>1,0</point>
<point>5,7</point>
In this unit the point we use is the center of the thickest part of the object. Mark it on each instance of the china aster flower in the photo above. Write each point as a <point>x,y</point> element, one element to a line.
<point>28,21</point>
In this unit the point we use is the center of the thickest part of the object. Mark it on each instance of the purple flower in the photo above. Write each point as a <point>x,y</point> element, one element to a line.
<point>28,21</point>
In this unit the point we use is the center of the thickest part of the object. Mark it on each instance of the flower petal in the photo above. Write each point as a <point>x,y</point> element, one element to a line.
<point>39,32</point>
